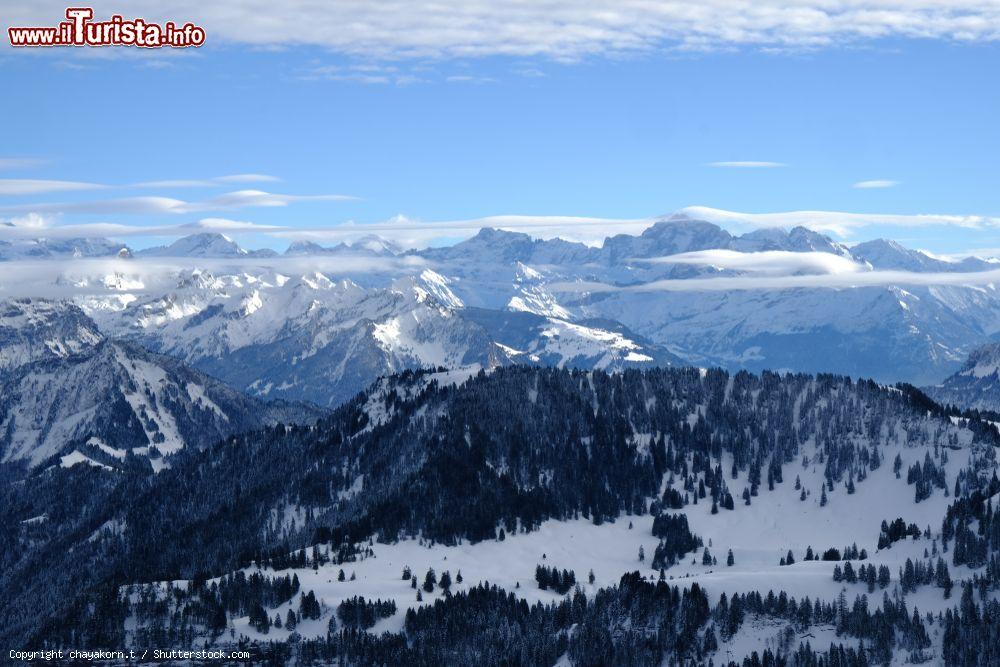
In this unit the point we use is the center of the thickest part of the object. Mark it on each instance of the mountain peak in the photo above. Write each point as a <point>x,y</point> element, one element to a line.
<point>305,248</point>
<point>376,244</point>
<point>35,329</point>
<point>888,254</point>
<point>429,285</point>
<point>202,244</point>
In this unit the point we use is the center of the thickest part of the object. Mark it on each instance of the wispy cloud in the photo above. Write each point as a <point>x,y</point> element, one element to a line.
<point>156,205</point>
<point>247,178</point>
<point>33,225</point>
<point>466,78</point>
<point>35,186</point>
<point>208,182</point>
<point>837,222</point>
<point>746,164</point>
<point>559,29</point>
<point>21,162</point>
<point>875,184</point>
<point>31,221</point>
<point>363,73</point>
<point>23,186</point>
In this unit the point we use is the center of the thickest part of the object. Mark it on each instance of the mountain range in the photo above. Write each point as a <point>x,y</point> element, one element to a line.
<point>323,334</point>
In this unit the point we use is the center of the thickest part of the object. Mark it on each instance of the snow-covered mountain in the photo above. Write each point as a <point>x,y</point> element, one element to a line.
<point>205,244</point>
<point>114,398</point>
<point>313,338</point>
<point>977,384</point>
<point>38,329</point>
<point>62,382</point>
<point>45,248</point>
<point>893,332</point>
<point>369,244</point>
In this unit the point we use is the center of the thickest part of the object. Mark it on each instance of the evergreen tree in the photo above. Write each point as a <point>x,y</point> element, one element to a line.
<point>430,579</point>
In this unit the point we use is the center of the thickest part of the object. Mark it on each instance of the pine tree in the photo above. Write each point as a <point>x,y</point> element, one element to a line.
<point>730,561</point>
<point>429,580</point>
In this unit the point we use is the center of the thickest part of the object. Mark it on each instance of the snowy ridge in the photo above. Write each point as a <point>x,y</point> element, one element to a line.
<point>35,329</point>
<point>116,398</point>
<point>977,384</point>
<point>808,509</point>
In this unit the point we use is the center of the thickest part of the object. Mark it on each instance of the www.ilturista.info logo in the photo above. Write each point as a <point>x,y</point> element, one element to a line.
<point>80,30</point>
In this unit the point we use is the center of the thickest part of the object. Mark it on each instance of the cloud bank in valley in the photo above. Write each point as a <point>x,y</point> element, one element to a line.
<point>769,262</point>
<point>849,280</point>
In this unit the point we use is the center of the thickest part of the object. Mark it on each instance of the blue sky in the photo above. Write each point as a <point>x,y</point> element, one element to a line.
<point>447,137</point>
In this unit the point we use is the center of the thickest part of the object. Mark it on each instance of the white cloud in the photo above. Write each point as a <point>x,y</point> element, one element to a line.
<point>558,29</point>
<point>32,221</point>
<point>465,78</point>
<point>247,178</point>
<point>849,280</point>
<point>746,164</point>
<point>29,226</point>
<point>22,186</point>
<point>207,183</point>
<point>21,162</point>
<point>836,222</point>
<point>155,205</point>
<point>175,183</point>
<point>224,224</point>
<point>878,183</point>
<point>770,262</point>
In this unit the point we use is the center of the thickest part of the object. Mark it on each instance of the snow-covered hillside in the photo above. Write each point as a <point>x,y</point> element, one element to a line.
<point>977,384</point>
<point>760,469</point>
<point>36,329</point>
<point>115,398</point>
